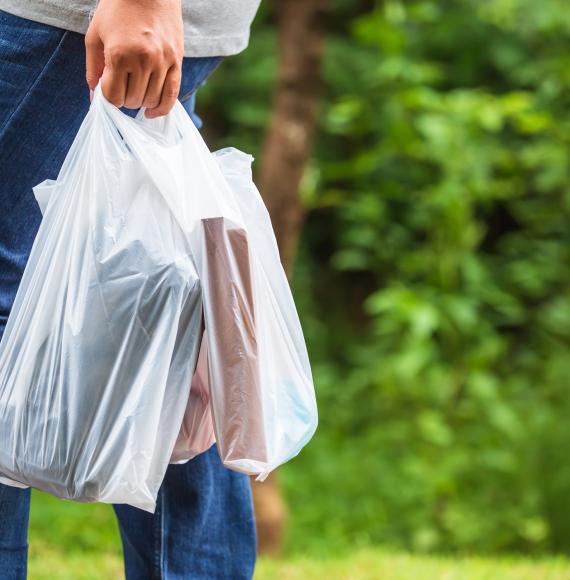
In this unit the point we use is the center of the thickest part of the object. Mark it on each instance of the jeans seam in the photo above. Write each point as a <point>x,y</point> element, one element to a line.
<point>157,528</point>
<point>33,85</point>
<point>162,542</point>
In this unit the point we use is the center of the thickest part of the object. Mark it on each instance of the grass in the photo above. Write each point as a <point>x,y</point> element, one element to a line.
<point>80,542</point>
<point>379,565</point>
<point>71,541</point>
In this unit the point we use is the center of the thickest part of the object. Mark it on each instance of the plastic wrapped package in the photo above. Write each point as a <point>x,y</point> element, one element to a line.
<point>197,431</point>
<point>147,239</point>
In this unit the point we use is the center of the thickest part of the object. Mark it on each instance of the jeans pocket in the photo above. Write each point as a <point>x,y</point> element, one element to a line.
<point>195,71</point>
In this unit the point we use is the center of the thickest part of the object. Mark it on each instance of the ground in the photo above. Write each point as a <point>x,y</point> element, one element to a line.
<point>80,542</point>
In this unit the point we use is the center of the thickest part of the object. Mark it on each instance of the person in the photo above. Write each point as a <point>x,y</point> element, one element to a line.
<point>145,53</point>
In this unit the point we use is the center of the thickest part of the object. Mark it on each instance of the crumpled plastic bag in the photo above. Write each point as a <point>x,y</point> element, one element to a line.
<point>147,240</point>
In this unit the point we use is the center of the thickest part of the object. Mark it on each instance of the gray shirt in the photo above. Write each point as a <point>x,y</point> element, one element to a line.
<point>211,27</point>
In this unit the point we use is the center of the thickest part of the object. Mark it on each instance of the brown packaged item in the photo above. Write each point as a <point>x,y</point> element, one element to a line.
<point>238,417</point>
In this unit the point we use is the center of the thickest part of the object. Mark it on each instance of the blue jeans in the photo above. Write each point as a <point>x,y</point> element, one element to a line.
<point>203,527</point>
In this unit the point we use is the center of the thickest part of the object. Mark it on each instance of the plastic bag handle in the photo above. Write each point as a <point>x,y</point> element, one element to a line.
<point>161,145</point>
<point>159,131</point>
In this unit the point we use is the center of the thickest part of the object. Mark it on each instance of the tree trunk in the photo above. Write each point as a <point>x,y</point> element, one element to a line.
<point>289,140</point>
<point>285,154</point>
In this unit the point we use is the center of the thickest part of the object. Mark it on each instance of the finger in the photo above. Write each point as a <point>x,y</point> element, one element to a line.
<point>137,83</point>
<point>154,89</point>
<point>114,85</point>
<point>169,94</point>
<point>94,60</point>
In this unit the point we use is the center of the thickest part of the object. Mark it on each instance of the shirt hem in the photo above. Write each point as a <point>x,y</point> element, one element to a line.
<point>194,45</point>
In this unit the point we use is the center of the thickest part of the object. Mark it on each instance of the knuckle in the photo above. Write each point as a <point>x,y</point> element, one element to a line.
<point>171,93</point>
<point>113,96</point>
<point>132,103</point>
<point>145,54</point>
<point>117,55</point>
<point>168,55</point>
<point>151,103</point>
<point>147,49</point>
<point>160,110</point>
<point>171,54</point>
<point>115,100</point>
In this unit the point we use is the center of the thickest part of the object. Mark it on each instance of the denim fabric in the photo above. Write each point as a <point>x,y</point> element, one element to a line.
<point>203,527</point>
<point>14,515</point>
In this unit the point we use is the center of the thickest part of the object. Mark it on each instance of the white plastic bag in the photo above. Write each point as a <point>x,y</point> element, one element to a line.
<point>249,283</point>
<point>145,230</point>
<point>98,354</point>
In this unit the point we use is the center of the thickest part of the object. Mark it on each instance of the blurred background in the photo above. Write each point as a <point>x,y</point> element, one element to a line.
<point>415,158</point>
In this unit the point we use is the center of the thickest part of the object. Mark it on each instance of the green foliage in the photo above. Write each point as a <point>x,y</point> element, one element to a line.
<point>433,275</point>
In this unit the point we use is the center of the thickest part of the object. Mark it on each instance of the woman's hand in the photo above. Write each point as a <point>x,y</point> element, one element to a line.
<point>135,47</point>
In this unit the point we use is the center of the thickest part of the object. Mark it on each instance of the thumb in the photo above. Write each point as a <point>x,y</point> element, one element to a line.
<point>94,59</point>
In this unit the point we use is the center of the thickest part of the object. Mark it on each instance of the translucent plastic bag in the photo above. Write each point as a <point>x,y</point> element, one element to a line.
<point>147,238</point>
<point>247,297</point>
<point>98,354</point>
